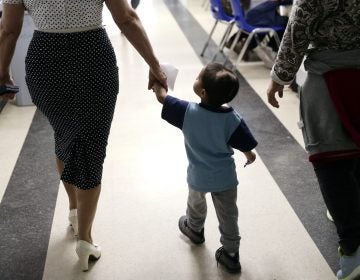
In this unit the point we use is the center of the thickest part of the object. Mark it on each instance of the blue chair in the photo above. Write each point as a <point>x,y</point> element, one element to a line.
<point>219,14</point>
<point>251,30</point>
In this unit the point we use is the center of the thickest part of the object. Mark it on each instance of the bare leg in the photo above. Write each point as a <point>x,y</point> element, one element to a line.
<point>87,203</point>
<point>70,189</point>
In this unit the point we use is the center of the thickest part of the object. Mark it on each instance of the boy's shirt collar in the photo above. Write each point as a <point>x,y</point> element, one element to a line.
<point>216,109</point>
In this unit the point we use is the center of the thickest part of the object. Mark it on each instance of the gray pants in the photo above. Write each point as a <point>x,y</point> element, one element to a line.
<point>226,211</point>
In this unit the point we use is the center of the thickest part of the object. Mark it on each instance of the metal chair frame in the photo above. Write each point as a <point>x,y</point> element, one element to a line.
<point>250,30</point>
<point>220,16</point>
<point>205,4</point>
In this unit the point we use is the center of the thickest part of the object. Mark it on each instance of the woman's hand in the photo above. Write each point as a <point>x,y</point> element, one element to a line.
<point>129,23</point>
<point>7,81</point>
<point>157,75</point>
<point>272,89</point>
<point>10,29</point>
<point>7,96</point>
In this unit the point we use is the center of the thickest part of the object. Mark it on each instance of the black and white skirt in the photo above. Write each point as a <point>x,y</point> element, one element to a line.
<point>73,80</point>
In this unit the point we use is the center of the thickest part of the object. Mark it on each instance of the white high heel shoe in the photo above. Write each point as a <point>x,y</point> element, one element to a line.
<point>73,220</point>
<point>87,252</point>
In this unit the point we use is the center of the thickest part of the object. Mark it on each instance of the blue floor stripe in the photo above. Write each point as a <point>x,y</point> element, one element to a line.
<point>27,207</point>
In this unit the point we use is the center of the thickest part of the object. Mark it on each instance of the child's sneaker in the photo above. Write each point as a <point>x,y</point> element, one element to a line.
<point>195,237</point>
<point>231,264</point>
<point>349,266</point>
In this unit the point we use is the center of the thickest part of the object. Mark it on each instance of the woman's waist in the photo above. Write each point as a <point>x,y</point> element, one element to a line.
<point>93,42</point>
<point>71,29</point>
<point>319,61</point>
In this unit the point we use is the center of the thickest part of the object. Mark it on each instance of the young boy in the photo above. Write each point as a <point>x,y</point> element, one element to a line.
<point>211,130</point>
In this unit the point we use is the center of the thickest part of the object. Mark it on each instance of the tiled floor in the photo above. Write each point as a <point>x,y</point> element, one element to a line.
<point>144,187</point>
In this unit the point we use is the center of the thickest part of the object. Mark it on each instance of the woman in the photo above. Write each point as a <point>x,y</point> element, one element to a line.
<point>72,77</point>
<point>331,29</point>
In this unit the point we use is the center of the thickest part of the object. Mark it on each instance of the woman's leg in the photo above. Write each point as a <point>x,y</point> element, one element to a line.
<point>340,185</point>
<point>70,189</point>
<point>86,208</point>
<point>85,201</point>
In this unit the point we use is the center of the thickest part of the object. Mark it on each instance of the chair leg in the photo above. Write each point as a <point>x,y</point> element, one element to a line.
<point>209,38</point>
<point>254,33</point>
<point>205,3</point>
<point>277,40</point>
<point>226,35</point>
<point>243,50</point>
<point>236,39</point>
<point>223,40</point>
<point>267,38</point>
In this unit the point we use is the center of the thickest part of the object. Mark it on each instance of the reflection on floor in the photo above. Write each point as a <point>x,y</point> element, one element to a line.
<point>285,233</point>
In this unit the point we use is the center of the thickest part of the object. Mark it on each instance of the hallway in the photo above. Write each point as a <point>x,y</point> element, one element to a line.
<point>283,225</point>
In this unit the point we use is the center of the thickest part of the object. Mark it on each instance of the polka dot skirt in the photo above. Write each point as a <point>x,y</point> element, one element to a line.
<point>73,80</point>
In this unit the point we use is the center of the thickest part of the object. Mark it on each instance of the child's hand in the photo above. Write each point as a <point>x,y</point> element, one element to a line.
<point>157,87</point>
<point>160,92</point>
<point>250,156</point>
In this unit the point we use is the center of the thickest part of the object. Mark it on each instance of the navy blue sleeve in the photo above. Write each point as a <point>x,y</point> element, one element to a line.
<point>174,111</point>
<point>242,138</point>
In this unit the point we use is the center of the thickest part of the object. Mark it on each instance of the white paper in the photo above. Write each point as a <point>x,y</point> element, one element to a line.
<point>171,73</point>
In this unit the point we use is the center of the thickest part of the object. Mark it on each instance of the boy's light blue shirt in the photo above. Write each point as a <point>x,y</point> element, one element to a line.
<point>210,136</point>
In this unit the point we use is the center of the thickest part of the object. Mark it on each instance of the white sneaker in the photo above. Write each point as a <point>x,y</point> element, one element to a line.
<point>349,266</point>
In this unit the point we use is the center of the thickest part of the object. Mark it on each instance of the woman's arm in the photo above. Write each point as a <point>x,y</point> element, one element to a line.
<point>304,17</point>
<point>10,28</point>
<point>294,45</point>
<point>129,23</point>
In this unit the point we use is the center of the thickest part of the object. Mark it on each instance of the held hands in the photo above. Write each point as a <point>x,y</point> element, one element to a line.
<point>157,75</point>
<point>271,91</point>
<point>160,92</point>
<point>158,88</point>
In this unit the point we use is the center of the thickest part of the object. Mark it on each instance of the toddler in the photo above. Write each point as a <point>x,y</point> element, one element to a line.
<point>212,130</point>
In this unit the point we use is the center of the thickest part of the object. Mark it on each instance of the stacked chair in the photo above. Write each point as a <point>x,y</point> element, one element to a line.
<point>252,32</point>
<point>219,15</point>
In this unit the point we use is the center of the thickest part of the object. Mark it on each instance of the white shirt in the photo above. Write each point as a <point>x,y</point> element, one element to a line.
<point>63,14</point>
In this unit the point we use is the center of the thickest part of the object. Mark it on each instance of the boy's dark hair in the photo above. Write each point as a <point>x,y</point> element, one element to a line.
<point>220,84</point>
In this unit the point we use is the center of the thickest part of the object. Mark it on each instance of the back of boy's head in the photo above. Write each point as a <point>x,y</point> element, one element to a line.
<point>220,83</point>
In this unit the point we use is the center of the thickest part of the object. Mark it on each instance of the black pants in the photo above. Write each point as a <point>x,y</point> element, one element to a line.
<point>340,186</point>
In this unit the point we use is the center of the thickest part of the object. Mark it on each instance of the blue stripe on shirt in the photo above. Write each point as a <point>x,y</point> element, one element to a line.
<point>242,138</point>
<point>174,111</point>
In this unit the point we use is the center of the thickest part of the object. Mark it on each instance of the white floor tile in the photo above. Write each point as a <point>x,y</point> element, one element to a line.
<point>14,125</point>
